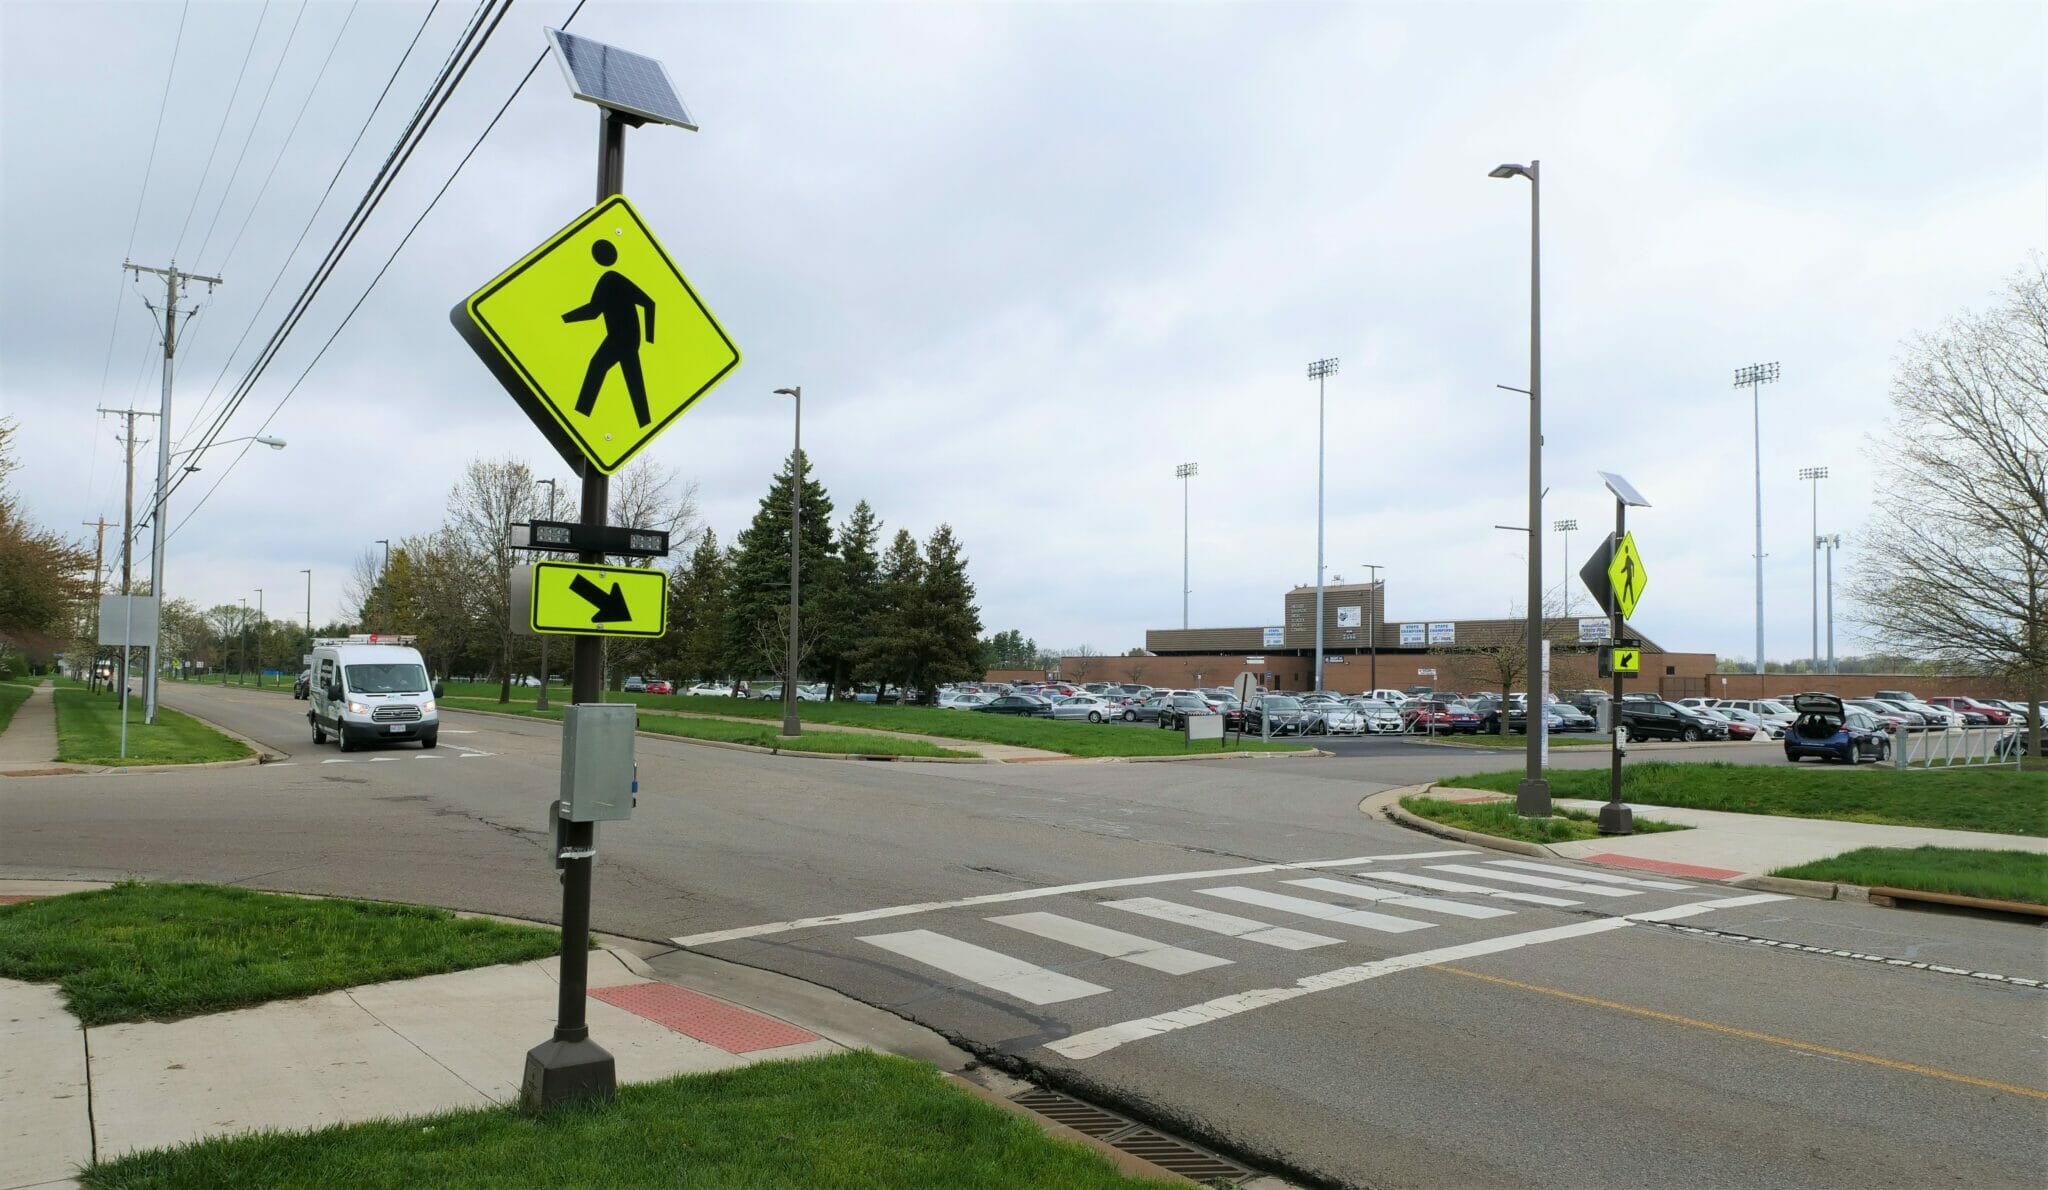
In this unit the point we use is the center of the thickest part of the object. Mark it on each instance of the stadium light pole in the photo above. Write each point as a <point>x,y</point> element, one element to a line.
<point>1184,472</point>
<point>1816,474</point>
<point>1567,527</point>
<point>1320,371</point>
<point>1756,376</point>
<point>790,726</point>
<point>1532,796</point>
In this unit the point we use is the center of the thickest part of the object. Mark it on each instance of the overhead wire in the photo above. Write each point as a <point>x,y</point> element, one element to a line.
<point>403,241</point>
<point>262,105</point>
<point>207,170</point>
<point>339,168</point>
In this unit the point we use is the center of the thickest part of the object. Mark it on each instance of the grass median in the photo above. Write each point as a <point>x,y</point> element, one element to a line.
<point>1500,820</point>
<point>2000,801</point>
<point>163,951</point>
<point>761,735</point>
<point>1070,737</point>
<point>12,695</point>
<point>1515,741</point>
<point>89,732</point>
<point>857,1119</point>
<point>1963,871</point>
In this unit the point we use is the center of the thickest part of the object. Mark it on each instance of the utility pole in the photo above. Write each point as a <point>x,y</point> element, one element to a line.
<point>1372,627</point>
<point>173,279</point>
<point>1756,376</point>
<point>99,562</point>
<point>790,724</point>
<point>1184,472</point>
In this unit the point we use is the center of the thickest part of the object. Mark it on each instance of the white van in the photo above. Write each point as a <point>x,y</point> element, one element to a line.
<point>367,688</point>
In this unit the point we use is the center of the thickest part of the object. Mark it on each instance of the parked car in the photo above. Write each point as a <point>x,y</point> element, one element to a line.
<point>303,687</point>
<point>1180,706</point>
<point>1565,717</point>
<point>1897,696</point>
<point>1439,717</point>
<point>1655,719</point>
<point>1028,705</point>
<point>1984,711</point>
<point>659,686</point>
<point>1341,718</point>
<point>1768,728</point>
<point>1285,714</point>
<point>1937,717</point>
<point>954,700</point>
<point>1380,717</point>
<point>1738,729</point>
<point>1712,726</point>
<point>2018,710</point>
<point>1769,709</point>
<point>711,689</point>
<point>1086,706</point>
<point>1829,730</point>
<point>635,685</point>
<point>1891,714</point>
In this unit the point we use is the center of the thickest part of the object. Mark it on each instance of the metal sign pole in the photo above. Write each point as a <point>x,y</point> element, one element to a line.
<point>572,1066</point>
<point>1615,818</point>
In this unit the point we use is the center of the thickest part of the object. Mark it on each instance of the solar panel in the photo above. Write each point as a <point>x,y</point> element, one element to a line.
<point>1623,490</point>
<point>619,79</point>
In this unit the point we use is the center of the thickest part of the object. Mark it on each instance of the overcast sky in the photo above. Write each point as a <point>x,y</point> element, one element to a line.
<point>1026,258</point>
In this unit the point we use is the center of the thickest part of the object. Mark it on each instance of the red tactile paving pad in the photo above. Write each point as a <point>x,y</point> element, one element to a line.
<point>714,1022</point>
<point>1663,865</point>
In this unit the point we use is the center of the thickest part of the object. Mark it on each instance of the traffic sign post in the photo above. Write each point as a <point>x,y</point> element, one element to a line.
<point>603,343</point>
<point>1616,577</point>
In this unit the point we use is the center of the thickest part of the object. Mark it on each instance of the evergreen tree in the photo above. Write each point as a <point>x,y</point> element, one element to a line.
<point>757,587</point>
<point>888,651</point>
<point>951,622</point>
<point>846,602</point>
<point>696,618</point>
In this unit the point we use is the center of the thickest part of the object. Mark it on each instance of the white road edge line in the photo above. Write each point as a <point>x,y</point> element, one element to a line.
<point>1095,1042</point>
<point>837,919</point>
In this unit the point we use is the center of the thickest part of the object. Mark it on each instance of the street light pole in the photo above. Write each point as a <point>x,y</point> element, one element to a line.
<point>386,584</point>
<point>242,674</point>
<point>1831,543</point>
<point>541,702</point>
<point>790,726</point>
<point>1532,796</point>
<point>261,620</point>
<point>1184,472</point>
<point>1372,630</point>
<point>1816,474</point>
<point>1755,376</point>
<point>1320,371</point>
<point>1567,528</point>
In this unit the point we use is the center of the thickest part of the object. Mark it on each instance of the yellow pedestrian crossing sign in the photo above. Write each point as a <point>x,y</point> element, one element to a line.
<point>598,336</point>
<point>572,599</point>
<point>1625,574</point>
<point>1628,661</point>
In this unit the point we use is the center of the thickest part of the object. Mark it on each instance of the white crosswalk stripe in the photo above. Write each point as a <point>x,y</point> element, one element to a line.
<point>1129,948</point>
<point>1320,910</point>
<point>1590,890</point>
<point>991,969</point>
<point>1596,877</point>
<point>1366,892</point>
<point>1417,881</point>
<point>1226,924</point>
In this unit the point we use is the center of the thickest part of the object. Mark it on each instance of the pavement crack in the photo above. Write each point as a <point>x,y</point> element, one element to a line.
<point>92,1124</point>
<point>385,1025</point>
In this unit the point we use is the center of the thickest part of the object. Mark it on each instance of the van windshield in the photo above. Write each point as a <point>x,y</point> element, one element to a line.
<point>400,677</point>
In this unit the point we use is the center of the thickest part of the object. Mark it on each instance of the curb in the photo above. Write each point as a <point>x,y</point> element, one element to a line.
<point>1305,754</point>
<point>1389,806</point>
<point>733,746</point>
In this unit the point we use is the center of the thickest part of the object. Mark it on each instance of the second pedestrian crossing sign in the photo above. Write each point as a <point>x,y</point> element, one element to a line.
<point>1625,574</point>
<point>598,336</point>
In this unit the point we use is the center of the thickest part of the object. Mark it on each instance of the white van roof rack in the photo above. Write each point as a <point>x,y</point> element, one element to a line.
<point>364,638</point>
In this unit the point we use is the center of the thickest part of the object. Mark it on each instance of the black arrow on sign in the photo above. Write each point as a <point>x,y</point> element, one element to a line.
<point>609,607</point>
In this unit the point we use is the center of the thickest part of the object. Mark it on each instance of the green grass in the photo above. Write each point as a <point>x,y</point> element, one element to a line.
<point>1997,800</point>
<point>1968,872</point>
<point>89,732</point>
<point>761,735</point>
<point>1517,741</point>
<point>1499,819</point>
<point>12,695</point>
<point>162,951</point>
<point>852,1120</point>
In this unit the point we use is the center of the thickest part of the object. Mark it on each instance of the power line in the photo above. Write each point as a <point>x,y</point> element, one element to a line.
<point>407,238</point>
<point>262,104</point>
<point>203,173</point>
<point>339,167</point>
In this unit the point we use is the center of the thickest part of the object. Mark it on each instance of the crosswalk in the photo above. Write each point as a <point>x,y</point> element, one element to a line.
<point>1375,899</point>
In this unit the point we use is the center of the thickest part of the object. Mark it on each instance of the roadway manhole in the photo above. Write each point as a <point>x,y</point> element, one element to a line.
<point>1167,1152</point>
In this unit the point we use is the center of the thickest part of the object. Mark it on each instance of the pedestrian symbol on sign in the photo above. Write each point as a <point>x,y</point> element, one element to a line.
<point>619,302</point>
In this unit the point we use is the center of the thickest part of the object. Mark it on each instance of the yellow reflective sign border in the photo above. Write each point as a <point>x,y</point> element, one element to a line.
<point>1628,661</point>
<point>1626,574</point>
<point>574,599</point>
<point>562,433</point>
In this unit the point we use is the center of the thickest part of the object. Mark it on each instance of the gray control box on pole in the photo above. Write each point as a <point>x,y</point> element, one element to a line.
<point>597,761</point>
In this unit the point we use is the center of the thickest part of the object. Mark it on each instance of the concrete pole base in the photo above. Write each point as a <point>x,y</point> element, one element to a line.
<point>1532,798</point>
<point>1617,819</point>
<point>558,1072</point>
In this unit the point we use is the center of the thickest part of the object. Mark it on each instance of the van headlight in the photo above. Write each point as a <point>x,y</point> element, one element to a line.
<point>427,707</point>
<point>356,708</point>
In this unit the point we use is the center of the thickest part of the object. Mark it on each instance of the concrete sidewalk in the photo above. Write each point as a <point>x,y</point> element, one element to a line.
<point>30,741</point>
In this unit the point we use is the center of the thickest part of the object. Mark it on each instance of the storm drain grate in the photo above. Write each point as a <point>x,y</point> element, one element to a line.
<point>1168,1153</point>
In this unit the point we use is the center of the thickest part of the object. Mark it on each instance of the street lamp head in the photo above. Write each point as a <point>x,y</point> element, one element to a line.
<point>1322,367</point>
<point>790,392</point>
<point>1813,473</point>
<point>1508,171</point>
<point>272,443</point>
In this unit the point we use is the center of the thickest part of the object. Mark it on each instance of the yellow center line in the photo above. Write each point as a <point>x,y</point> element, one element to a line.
<point>1732,1031</point>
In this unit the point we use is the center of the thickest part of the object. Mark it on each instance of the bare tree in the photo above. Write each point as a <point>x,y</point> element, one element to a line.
<point>360,587</point>
<point>491,496</point>
<point>648,495</point>
<point>1081,663</point>
<point>1955,567</point>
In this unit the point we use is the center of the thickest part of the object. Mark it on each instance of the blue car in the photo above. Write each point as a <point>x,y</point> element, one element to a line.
<point>1825,728</point>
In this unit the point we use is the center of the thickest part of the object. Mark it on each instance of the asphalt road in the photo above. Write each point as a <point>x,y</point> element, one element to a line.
<point>1600,1034</point>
